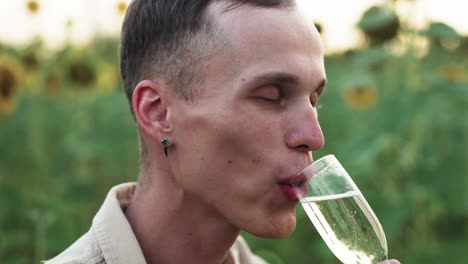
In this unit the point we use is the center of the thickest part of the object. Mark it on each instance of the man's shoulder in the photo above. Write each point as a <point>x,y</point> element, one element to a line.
<point>85,250</point>
<point>110,238</point>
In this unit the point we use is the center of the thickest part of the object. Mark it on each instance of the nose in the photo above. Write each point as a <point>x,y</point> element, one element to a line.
<point>305,133</point>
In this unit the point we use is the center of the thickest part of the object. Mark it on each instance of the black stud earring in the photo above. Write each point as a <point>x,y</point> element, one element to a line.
<point>165,143</point>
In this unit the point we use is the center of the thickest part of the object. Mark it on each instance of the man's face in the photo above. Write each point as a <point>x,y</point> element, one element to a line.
<point>253,124</point>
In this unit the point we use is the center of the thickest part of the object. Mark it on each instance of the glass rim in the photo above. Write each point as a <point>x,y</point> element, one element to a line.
<point>324,157</point>
<point>317,166</point>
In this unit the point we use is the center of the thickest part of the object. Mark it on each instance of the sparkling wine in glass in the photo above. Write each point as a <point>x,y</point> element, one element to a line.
<point>341,214</point>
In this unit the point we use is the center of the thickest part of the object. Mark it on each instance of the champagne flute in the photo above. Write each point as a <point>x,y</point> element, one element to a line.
<point>340,213</point>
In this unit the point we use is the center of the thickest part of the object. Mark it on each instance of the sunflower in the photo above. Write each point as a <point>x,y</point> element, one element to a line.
<point>33,7</point>
<point>379,24</point>
<point>360,96</point>
<point>452,72</point>
<point>443,35</point>
<point>30,60</point>
<point>122,7</point>
<point>9,78</point>
<point>81,74</point>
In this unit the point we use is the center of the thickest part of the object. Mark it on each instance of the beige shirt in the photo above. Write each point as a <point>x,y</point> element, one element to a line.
<point>111,239</point>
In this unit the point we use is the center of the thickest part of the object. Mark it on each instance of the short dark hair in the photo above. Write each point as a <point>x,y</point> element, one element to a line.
<point>168,38</point>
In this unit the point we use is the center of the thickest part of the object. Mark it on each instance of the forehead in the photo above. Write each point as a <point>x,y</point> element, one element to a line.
<point>269,39</point>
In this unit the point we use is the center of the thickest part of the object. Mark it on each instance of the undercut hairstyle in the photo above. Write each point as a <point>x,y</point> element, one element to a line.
<point>168,39</point>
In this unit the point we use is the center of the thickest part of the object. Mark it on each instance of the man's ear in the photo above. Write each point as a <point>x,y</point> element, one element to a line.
<point>150,109</point>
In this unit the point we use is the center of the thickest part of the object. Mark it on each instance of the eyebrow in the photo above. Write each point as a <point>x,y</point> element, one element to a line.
<point>279,77</point>
<point>287,79</point>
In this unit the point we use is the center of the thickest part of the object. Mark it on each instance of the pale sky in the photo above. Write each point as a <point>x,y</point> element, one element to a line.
<point>338,18</point>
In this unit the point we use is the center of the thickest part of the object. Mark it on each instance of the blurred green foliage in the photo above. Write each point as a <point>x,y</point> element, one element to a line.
<point>394,113</point>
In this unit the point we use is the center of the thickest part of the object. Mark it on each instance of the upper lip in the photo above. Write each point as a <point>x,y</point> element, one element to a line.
<point>295,179</point>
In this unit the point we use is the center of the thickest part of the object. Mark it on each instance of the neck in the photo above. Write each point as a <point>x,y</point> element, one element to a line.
<point>175,227</point>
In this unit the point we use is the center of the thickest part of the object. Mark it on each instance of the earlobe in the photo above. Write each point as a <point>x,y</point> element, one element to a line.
<point>149,108</point>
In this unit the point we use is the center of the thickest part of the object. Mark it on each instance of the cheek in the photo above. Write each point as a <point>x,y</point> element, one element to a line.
<point>248,154</point>
<point>253,130</point>
<point>229,146</point>
<point>251,145</point>
<point>235,131</point>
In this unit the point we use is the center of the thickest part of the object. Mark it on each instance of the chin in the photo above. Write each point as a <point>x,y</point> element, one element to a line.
<point>276,228</point>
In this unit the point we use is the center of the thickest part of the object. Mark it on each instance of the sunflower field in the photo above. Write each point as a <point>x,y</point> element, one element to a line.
<point>395,113</point>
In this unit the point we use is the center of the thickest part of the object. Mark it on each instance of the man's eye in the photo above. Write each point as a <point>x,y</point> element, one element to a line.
<point>269,94</point>
<point>271,100</point>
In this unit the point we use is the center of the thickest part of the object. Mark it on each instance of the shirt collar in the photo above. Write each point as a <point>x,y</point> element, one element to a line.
<point>112,229</point>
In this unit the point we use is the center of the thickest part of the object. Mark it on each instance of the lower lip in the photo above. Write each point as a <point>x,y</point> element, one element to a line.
<point>291,192</point>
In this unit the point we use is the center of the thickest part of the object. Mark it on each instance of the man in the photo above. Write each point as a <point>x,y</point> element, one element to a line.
<point>223,93</point>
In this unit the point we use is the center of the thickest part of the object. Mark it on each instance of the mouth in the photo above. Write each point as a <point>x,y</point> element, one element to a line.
<point>294,187</point>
